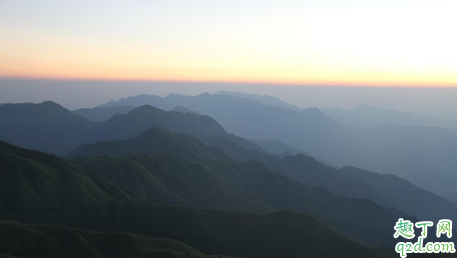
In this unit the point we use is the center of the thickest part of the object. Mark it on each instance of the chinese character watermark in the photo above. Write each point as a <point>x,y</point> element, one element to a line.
<point>405,229</point>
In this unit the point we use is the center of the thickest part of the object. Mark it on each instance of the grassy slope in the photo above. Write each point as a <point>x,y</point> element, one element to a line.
<point>278,234</point>
<point>40,187</point>
<point>224,184</point>
<point>57,242</point>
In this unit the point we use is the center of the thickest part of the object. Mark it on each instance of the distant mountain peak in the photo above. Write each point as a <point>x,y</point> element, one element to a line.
<point>182,109</point>
<point>264,99</point>
<point>173,95</point>
<point>313,111</point>
<point>50,102</point>
<point>144,109</point>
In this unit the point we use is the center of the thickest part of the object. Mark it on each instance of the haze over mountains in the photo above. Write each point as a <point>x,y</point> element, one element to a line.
<point>226,173</point>
<point>87,200</point>
<point>364,116</point>
<point>413,149</point>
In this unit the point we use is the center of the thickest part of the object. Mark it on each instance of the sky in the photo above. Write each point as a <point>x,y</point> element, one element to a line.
<point>326,42</point>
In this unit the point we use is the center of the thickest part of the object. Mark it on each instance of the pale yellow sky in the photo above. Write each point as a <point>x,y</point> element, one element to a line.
<point>388,42</point>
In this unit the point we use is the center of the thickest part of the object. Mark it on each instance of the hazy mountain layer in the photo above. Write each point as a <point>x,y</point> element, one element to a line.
<point>412,152</point>
<point>102,114</point>
<point>206,181</point>
<point>364,117</point>
<point>265,99</point>
<point>52,128</point>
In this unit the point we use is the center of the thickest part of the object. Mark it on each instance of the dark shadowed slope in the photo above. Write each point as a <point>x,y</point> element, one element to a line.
<point>250,187</point>
<point>279,234</point>
<point>154,140</point>
<point>307,170</point>
<point>206,181</point>
<point>49,186</point>
<point>39,187</point>
<point>32,241</point>
<point>299,168</point>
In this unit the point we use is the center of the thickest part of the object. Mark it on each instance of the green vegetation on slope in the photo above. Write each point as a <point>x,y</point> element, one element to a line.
<point>30,241</point>
<point>43,188</point>
<point>278,234</point>
<point>225,184</point>
<point>40,187</point>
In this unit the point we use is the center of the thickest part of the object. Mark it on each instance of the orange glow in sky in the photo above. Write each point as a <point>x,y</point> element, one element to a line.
<point>335,42</point>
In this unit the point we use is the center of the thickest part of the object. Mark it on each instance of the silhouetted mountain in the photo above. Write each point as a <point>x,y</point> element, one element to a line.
<point>278,148</point>
<point>30,241</point>
<point>251,119</point>
<point>410,152</point>
<point>265,99</point>
<point>102,114</point>
<point>47,126</point>
<point>364,117</point>
<point>215,181</point>
<point>52,128</point>
<point>308,170</point>
<point>152,141</point>
<point>300,168</point>
<point>145,117</point>
<point>403,195</point>
<point>40,187</point>
<point>139,100</point>
<point>423,155</point>
<point>279,234</point>
<point>44,188</point>
<point>184,110</point>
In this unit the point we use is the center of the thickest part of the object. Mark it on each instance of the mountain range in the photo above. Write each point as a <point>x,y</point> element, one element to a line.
<point>411,150</point>
<point>74,197</point>
<point>300,168</point>
<point>178,179</point>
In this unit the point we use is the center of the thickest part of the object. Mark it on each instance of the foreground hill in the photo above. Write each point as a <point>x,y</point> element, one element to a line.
<point>194,176</point>
<point>278,234</point>
<point>43,188</point>
<point>39,187</point>
<point>142,172</point>
<point>30,241</point>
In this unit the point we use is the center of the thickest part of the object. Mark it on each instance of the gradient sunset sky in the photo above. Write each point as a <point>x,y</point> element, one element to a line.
<point>341,42</point>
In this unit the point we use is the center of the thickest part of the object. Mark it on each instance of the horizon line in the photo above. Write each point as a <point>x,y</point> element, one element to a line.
<point>249,82</point>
